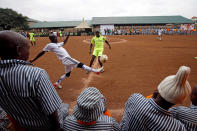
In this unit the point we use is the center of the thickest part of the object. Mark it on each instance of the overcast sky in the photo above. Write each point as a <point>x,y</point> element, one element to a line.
<point>68,10</point>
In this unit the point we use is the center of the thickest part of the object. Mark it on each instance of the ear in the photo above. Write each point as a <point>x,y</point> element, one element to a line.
<point>155,94</point>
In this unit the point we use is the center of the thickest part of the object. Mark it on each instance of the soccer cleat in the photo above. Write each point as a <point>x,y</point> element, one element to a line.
<point>100,70</point>
<point>57,85</point>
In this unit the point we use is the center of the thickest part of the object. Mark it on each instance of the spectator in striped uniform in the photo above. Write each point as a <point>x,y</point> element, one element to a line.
<point>88,114</point>
<point>62,54</point>
<point>143,114</point>
<point>187,115</point>
<point>26,92</point>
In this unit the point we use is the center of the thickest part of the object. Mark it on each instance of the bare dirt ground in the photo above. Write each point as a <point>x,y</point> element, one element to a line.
<point>136,64</point>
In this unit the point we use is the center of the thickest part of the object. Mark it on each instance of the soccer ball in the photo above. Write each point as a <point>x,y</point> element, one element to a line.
<point>104,58</point>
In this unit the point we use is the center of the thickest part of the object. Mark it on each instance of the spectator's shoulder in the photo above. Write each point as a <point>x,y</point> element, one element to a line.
<point>137,95</point>
<point>179,109</point>
<point>134,98</point>
<point>35,71</point>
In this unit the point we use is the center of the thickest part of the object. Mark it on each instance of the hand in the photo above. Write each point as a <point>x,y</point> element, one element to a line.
<point>31,61</point>
<point>110,47</point>
<point>89,52</point>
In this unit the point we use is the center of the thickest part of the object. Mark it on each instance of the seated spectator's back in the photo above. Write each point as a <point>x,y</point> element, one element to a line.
<point>143,114</point>
<point>88,114</point>
<point>187,115</point>
<point>26,92</point>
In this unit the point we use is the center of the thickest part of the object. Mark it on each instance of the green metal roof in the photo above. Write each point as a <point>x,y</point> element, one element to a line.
<point>141,20</point>
<point>116,20</point>
<point>58,24</point>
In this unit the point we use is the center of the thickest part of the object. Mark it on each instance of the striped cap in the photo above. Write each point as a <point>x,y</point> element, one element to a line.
<point>89,105</point>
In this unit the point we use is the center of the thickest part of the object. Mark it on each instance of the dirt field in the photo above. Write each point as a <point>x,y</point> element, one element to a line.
<point>136,64</point>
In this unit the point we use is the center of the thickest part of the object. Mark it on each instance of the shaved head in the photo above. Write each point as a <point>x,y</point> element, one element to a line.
<point>53,38</point>
<point>12,46</point>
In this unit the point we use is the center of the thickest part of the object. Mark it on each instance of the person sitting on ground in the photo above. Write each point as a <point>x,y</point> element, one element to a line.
<point>88,114</point>
<point>187,115</point>
<point>62,54</point>
<point>26,93</point>
<point>143,114</point>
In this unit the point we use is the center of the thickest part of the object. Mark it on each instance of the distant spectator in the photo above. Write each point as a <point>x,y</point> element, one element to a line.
<point>88,114</point>
<point>105,30</point>
<point>143,114</point>
<point>187,115</point>
<point>23,33</point>
<point>26,93</point>
<point>27,34</point>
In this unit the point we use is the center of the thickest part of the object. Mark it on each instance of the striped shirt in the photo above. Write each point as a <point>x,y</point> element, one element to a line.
<point>143,114</point>
<point>188,116</point>
<point>27,94</point>
<point>104,123</point>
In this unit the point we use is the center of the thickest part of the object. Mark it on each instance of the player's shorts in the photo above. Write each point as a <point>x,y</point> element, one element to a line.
<point>159,34</point>
<point>69,64</point>
<point>32,39</point>
<point>98,52</point>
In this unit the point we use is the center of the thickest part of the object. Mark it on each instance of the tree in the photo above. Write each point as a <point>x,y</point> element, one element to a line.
<point>11,19</point>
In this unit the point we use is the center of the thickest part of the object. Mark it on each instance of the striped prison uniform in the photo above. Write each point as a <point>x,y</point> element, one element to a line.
<point>103,123</point>
<point>188,116</point>
<point>143,114</point>
<point>27,94</point>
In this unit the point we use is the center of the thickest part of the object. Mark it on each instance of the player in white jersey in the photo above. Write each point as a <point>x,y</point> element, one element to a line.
<point>67,60</point>
<point>160,34</point>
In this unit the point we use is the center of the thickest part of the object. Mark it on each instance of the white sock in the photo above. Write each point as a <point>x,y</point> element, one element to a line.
<point>61,79</point>
<point>87,68</point>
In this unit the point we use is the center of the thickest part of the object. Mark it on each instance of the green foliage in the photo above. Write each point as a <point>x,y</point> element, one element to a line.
<point>10,19</point>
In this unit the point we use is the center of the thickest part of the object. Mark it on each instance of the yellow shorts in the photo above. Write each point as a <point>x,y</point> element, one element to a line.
<point>98,52</point>
<point>32,39</point>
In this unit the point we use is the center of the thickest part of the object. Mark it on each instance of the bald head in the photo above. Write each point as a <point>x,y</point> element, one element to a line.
<point>194,96</point>
<point>13,46</point>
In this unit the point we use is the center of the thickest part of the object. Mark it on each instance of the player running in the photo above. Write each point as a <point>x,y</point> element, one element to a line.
<point>32,39</point>
<point>98,40</point>
<point>67,60</point>
<point>160,34</point>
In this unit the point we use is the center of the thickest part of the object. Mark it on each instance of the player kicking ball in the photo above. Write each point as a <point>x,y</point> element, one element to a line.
<point>67,60</point>
<point>98,40</point>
